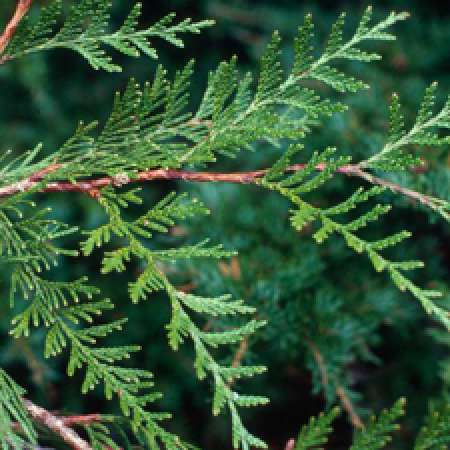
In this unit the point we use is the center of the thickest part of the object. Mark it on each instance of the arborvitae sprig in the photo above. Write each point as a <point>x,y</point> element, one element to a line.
<point>392,156</point>
<point>374,435</point>
<point>306,67</point>
<point>12,409</point>
<point>55,305</point>
<point>28,242</point>
<point>181,326</point>
<point>129,385</point>
<point>315,432</point>
<point>377,432</point>
<point>85,31</point>
<point>435,433</point>
<point>305,213</point>
<point>150,127</point>
<point>145,122</point>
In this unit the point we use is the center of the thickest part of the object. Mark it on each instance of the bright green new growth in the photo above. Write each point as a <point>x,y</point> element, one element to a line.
<point>149,127</point>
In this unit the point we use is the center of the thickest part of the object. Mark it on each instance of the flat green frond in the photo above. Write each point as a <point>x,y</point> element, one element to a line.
<point>278,169</point>
<point>150,280</point>
<point>302,46</point>
<point>240,435</point>
<point>120,129</point>
<point>375,435</point>
<point>159,218</point>
<point>426,108</point>
<point>337,80</point>
<point>214,306</point>
<point>370,216</point>
<point>393,156</point>
<point>435,432</point>
<point>316,432</point>
<point>52,296</point>
<point>22,165</point>
<point>337,49</point>
<point>320,178</point>
<point>359,196</point>
<point>129,385</point>
<point>306,213</point>
<point>231,336</point>
<point>396,124</point>
<point>12,410</point>
<point>194,251</point>
<point>224,86</point>
<point>335,40</point>
<point>100,437</point>
<point>231,373</point>
<point>309,168</point>
<point>177,97</point>
<point>86,31</point>
<point>239,126</point>
<point>150,125</point>
<point>182,326</point>
<point>389,241</point>
<point>271,72</point>
<point>152,134</point>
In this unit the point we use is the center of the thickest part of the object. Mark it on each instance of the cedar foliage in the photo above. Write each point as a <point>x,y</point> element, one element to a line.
<point>149,128</point>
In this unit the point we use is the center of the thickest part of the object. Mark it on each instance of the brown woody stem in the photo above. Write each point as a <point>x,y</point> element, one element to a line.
<point>91,187</point>
<point>238,356</point>
<point>61,425</point>
<point>340,392</point>
<point>22,8</point>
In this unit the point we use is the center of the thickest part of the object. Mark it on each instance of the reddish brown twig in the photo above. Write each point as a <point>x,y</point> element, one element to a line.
<point>320,362</point>
<point>22,8</point>
<point>91,187</point>
<point>348,405</point>
<point>70,421</point>
<point>61,426</point>
<point>233,270</point>
<point>237,358</point>
<point>340,392</point>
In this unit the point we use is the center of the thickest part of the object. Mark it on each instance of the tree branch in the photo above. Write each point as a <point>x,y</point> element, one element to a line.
<point>22,8</point>
<point>340,392</point>
<point>91,187</point>
<point>424,199</point>
<point>60,426</point>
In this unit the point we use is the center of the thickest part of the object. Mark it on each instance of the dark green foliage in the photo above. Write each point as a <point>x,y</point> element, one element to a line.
<point>318,308</point>
<point>377,432</point>
<point>12,410</point>
<point>374,435</point>
<point>315,433</point>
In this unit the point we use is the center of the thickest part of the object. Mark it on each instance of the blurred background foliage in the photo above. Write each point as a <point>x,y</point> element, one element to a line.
<point>325,305</point>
